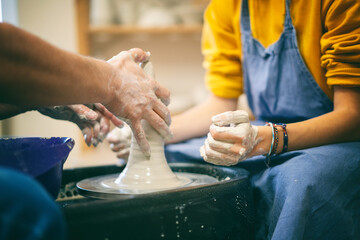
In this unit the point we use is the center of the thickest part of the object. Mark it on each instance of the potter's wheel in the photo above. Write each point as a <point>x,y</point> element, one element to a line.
<point>105,187</point>
<point>221,210</point>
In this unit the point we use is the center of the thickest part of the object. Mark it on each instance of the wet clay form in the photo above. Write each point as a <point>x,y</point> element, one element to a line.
<point>142,174</point>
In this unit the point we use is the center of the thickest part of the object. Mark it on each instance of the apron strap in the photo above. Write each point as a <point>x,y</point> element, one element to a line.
<point>245,17</point>
<point>288,22</point>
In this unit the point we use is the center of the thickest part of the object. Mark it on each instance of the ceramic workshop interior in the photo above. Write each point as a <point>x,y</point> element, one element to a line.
<point>171,31</point>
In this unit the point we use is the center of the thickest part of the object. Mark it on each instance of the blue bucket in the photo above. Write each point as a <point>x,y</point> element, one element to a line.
<point>41,158</point>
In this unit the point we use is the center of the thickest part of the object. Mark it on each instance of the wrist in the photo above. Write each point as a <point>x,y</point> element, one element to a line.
<point>107,83</point>
<point>263,141</point>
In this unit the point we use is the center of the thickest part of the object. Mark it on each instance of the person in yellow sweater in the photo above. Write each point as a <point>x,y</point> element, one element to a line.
<point>298,62</point>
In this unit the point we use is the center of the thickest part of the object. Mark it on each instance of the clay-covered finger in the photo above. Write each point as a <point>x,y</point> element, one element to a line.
<point>162,93</point>
<point>140,137</point>
<point>230,134</point>
<point>118,147</point>
<point>163,112</point>
<point>234,149</point>
<point>231,117</point>
<point>219,158</point>
<point>159,125</point>
<point>104,111</point>
<point>87,133</point>
<point>84,112</point>
<point>209,160</point>
<point>219,146</point>
<point>139,55</point>
<point>104,128</point>
<point>124,154</point>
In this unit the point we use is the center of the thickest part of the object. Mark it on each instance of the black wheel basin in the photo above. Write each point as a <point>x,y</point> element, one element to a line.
<point>222,210</point>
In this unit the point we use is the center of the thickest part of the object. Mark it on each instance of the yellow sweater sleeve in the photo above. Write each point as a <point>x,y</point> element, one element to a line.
<point>340,44</point>
<point>220,46</point>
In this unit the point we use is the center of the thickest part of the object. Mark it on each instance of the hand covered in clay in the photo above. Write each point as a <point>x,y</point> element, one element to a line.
<point>120,141</point>
<point>137,96</point>
<point>93,120</point>
<point>230,140</point>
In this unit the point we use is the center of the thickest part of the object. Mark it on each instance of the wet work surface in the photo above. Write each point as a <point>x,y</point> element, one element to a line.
<point>219,210</point>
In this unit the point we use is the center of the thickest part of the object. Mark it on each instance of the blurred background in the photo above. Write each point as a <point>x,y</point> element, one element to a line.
<point>169,29</point>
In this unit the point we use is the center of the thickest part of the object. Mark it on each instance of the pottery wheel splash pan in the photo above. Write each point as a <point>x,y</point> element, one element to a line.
<point>221,210</point>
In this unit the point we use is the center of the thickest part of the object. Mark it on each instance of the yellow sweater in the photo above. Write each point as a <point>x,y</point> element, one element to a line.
<point>328,34</point>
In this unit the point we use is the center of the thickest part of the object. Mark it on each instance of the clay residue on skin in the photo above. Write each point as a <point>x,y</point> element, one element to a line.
<point>239,143</point>
<point>148,172</point>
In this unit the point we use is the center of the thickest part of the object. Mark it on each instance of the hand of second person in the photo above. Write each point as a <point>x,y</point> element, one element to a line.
<point>120,141</point>
<point>136,96</point>
<point>93,119</point>
<point>230,140</point>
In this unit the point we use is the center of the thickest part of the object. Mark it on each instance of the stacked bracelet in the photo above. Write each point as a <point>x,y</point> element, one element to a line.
<point>275,140</point>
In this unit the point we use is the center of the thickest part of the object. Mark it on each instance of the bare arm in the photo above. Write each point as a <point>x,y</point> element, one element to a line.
<point>340,125</point>
<point>196,121</point>
<point>35,74</point>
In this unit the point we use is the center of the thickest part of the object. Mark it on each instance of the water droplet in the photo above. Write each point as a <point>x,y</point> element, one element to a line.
<point>202,226</point>
<point>162,235</point>
<point>177,222</point>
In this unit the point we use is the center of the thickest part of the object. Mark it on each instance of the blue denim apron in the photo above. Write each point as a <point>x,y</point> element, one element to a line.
<point>307,194</point>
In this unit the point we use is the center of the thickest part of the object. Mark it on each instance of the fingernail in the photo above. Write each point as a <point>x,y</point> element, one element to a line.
<point>86,141</point>
<point>120,125</point>
<point>169,137</point>
<point>94,142</point>
<point>101,136</point>
<point>147,153</point>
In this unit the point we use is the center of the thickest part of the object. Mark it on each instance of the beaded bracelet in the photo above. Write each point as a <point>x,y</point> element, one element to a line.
<point>276,143</point>
<point>283,125</point>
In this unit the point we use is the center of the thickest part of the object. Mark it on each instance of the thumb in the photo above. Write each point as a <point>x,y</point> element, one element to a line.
<point>231,117</point>
<point>139,55</point>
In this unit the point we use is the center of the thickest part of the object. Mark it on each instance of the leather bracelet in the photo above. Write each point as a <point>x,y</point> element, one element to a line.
<point>276,141</point>
<point>285,147</point>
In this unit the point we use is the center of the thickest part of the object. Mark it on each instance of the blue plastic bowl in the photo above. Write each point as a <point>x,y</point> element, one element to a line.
<point>41,158</point>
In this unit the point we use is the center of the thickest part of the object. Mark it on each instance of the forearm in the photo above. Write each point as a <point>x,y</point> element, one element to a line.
<point>35,73</point>
<point>196,121</point>
<point>7,111</point>
<point>340,125</point>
